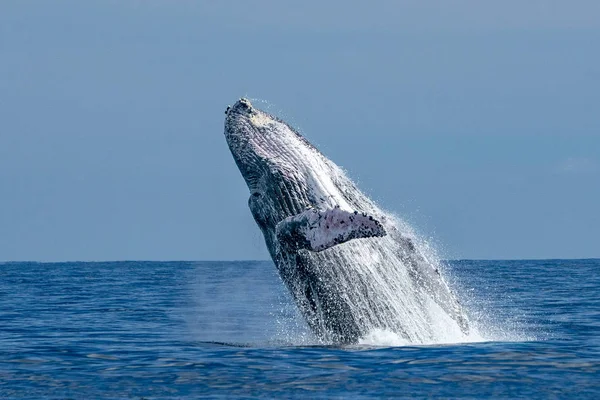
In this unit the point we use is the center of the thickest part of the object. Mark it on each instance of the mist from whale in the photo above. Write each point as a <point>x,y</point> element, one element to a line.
<point>352,269</point>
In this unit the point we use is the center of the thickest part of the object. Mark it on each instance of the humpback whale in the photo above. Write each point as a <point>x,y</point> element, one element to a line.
<point>350,267</point>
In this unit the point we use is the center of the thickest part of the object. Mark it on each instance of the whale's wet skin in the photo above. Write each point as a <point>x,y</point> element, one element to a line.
<point>351,268</point>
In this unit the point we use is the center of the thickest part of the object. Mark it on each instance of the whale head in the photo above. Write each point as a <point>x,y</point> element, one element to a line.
<point>277,163</point>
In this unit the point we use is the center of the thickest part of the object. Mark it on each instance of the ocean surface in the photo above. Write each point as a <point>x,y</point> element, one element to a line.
<point>148,330</point>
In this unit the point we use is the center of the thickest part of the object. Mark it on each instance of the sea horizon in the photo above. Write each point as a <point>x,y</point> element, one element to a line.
<point>268,260</point>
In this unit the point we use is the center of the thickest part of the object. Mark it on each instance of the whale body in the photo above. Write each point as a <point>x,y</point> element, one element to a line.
<point>350,267</point>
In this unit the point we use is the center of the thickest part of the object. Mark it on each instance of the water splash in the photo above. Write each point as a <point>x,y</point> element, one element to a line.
<point>486,325</point>
<point>352,291</point>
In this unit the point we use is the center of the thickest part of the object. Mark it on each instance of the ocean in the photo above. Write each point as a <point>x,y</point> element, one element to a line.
<point>154,330</point>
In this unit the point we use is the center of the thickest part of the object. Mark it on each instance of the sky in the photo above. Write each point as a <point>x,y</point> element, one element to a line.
<point>477,122</point>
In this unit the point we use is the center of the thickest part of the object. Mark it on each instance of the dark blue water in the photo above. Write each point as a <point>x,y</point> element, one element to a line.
<point>228,329</point>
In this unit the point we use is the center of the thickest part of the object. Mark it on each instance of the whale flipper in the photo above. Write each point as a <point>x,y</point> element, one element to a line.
<point>317,230</point>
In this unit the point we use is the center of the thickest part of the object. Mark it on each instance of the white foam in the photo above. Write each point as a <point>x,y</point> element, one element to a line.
<point>393,286</point>
<point>383,338</point>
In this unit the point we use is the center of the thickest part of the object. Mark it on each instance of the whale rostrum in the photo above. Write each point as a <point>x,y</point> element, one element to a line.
<point>350,267</point>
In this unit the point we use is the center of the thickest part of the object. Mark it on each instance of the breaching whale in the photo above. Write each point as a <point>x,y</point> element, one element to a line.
<point>350,267</point>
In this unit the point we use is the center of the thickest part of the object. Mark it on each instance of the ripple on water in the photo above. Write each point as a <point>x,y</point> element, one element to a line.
<point>189,330</point>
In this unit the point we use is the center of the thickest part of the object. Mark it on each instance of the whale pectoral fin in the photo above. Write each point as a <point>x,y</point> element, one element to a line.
<point>319,230</point>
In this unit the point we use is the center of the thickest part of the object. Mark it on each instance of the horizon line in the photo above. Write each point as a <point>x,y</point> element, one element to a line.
<point>271,261</point>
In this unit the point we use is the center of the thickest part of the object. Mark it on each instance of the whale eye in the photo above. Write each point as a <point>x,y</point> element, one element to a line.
<point>256,194</point>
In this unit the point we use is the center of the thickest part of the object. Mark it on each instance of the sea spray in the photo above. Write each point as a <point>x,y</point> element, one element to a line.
<point>345,289</point>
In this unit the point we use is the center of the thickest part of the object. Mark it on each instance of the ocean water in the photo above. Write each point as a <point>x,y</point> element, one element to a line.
<point>149,330</point>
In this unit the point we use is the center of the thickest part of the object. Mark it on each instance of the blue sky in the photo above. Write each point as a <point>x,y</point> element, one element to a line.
<point>478,123</point>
